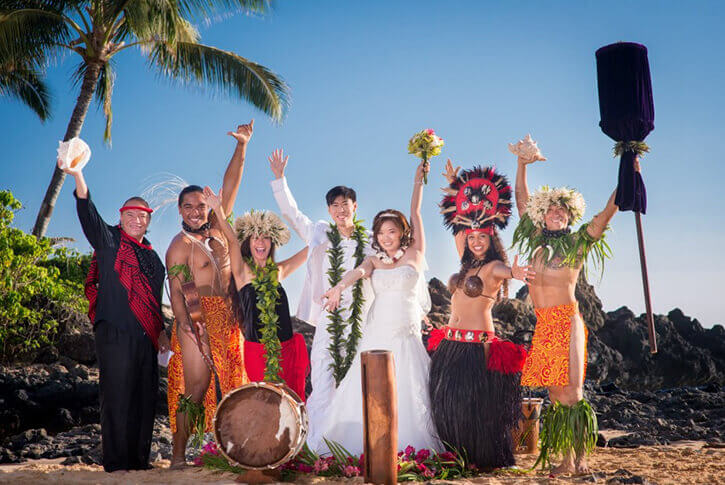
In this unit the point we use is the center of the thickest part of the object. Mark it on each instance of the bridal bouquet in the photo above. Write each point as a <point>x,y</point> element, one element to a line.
<point>424,145</point>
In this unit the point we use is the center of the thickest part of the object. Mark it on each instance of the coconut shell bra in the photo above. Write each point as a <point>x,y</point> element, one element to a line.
<point>472,286</point>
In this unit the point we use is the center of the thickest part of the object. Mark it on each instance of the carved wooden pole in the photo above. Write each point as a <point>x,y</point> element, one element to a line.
<point>380,417</point>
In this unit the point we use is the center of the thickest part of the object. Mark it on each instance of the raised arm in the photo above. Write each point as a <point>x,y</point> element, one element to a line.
<point>235,251</point>
<point>94,227</point>
<point>599,223</point>
<point>334,294</point>
<point>302,224</point>
<point>233,174</point>
<point>522,186</point>
<point>416,221</point>
<point>290,265</point>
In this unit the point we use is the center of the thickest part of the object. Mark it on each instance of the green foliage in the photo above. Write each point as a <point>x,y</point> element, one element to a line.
<point>336,326</point>
<point>181,271</point>
<point>195,418</point>
<point>567,428</point>
<point>40,286</point>
<point>266,285</point>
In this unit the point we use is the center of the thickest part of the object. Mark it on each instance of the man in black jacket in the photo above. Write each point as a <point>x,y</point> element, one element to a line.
<point>124,289</point>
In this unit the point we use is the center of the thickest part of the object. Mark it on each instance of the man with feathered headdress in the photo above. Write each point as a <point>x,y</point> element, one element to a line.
<point>558,357</point>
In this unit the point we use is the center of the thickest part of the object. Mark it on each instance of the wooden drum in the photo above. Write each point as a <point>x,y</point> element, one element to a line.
<point>260,425</point>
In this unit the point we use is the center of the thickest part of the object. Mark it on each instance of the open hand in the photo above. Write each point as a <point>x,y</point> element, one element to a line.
<point>278,162</point>
<point>523,273</point>
<point>333,296</point>
<point>243,133</point>
<point>451,173</point>
<point>214,201</point>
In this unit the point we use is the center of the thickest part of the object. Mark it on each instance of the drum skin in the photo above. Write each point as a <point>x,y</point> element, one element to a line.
<point>260,425</point>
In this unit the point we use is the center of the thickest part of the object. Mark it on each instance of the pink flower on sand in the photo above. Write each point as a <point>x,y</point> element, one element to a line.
<point>305,468</point>
<point>351,471</point>
<point>421,467</point>
<point>422,455</point>
<point>429,473</point>
<point>198,461</point>
<point>211,448</point>
<point>409,451</point>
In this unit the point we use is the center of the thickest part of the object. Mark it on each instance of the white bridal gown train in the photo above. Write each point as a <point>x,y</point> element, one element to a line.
<point>393,324</point>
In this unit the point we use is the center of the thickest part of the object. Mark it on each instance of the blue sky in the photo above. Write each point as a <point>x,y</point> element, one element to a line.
<point>366,75</point>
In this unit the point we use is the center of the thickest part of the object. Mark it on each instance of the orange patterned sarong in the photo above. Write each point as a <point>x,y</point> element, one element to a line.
<point>548,360</point>
<point>226,341</point>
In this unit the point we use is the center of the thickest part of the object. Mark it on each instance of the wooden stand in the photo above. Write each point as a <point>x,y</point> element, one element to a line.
<point>526,435</point>
<point>645,285</point>
<point>380,417</point>
<point>260,476</point>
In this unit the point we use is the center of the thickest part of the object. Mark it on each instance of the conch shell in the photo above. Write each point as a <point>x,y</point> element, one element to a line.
<point>73,153</point>
<point>526,149</point>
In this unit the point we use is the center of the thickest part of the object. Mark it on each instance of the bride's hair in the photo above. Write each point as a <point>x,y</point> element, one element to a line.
<point>495,252</point>
<point>397,218</point>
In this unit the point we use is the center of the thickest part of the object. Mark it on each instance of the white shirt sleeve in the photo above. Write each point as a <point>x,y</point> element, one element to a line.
<point>302,224</point>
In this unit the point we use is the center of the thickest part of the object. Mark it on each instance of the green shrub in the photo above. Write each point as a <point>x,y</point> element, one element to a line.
<point>40,286</point>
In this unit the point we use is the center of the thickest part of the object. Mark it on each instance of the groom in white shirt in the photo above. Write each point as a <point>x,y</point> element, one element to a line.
<point>341,204</point>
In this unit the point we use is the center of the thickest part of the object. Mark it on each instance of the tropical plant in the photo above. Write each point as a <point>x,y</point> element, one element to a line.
<point>22,79</point>
<point>39,287</point>
<point>35,32</point>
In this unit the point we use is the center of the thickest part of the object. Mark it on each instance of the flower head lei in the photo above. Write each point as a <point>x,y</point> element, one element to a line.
<point>564,197</point>
<point>262,224</point>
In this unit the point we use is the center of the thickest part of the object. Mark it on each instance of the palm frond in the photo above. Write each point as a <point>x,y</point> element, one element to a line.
<point>206,9</point>
<point>161,21</point>
<point>26,84</point>
<point>32,33</point>
<point>225,71</point>
<point>104,95</point>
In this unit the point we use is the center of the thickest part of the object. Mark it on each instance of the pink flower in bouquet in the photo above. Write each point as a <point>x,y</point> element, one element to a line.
<point>409,451</point>
<point>351,471</point>
<point>211,448</point>
<point>430,131</point>
<point>400,454</point>
<point>321,465</point>
<point>447,456</point>
<point>422,455</point>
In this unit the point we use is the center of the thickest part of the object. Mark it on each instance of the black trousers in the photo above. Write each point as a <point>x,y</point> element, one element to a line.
<point>129,384</point>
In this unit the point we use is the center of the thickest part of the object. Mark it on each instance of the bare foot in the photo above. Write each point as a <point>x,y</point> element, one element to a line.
<point>566,468</point>
<point>178,465</point>
<point>581,466</point>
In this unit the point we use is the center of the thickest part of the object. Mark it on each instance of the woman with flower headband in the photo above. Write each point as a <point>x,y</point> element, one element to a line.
<point>474,376</point>
<point>272,351</point>
<point>394,324</point>
<point>558,356</point>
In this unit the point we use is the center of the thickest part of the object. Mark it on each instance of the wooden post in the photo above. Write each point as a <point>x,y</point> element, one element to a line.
<point>645,285</point>
<point>380,417</point>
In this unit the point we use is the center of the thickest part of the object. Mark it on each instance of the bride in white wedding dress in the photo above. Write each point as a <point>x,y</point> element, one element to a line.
<point>394,324</point>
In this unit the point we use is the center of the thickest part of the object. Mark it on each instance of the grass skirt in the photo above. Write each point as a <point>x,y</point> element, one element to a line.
<point>473,407</point>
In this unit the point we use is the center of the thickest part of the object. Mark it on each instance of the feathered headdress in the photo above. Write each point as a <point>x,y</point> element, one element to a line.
<point>262,224</point>
<point>545,197</point>
<point>479,199</point>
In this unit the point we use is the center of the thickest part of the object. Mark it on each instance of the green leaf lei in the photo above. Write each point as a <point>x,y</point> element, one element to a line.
<point>266,285</point>
<point>340,364</point>
<point>574,247</point>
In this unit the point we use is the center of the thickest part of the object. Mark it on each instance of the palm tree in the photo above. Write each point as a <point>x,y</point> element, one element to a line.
<point>33,32</point>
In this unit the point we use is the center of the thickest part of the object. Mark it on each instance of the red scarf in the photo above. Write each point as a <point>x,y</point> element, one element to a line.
<point>141,300</point>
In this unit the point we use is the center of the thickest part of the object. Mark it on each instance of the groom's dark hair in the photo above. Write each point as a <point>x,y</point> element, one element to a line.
<point>340,190</point>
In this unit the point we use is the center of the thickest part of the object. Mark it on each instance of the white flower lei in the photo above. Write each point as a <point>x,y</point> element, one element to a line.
<point>545,197</point>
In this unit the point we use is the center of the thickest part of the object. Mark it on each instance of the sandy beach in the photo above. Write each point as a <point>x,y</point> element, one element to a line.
<point>682,462</point>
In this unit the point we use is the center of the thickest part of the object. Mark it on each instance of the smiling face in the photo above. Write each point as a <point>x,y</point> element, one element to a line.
<point>135,222</point>
<point>194,210</point>
<point>388,236</point>
<point>556,218</point>
<point>260,248</point>
<point>478,243</point>
<point>342,210</point>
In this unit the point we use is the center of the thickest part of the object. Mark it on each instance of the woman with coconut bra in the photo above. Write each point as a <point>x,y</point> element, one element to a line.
<point>474,376</point>
<point>272,351</point>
